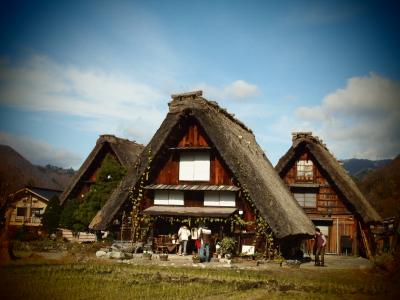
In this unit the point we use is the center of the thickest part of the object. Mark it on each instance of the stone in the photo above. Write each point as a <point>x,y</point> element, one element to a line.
<point>116,255</point>
<point>101,253</point>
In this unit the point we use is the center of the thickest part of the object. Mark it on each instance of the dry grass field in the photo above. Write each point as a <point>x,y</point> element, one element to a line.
<point>36,278</point>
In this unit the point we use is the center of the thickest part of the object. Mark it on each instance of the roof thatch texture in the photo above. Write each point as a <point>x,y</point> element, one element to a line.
<point>125,150</point>
<point>238,148</point>
<point>337,175</point>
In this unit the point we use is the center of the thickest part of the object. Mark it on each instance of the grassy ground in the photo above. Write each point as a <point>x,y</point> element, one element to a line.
<point>39,279</point>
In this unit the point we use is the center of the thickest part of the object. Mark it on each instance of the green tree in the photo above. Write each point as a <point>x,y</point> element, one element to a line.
<point>77,217</point>
<point>51,216</point>
<point>67,219</point>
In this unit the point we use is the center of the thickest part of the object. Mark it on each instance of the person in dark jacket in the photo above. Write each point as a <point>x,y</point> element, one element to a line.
<point>320,243</point>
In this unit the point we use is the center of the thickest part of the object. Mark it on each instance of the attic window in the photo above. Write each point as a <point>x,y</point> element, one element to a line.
<point>304,169</point>
<point>212,198</point>
<point>194,166</point>
<point>306,199</point>
<point>163,197</point>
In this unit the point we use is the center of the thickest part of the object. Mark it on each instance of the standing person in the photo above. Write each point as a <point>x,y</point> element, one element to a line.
<point>205,237</point>
<point>320,242</point>
<point>183,236</point>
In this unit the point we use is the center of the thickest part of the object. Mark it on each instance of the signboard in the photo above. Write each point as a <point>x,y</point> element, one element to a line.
<point>248,250</point>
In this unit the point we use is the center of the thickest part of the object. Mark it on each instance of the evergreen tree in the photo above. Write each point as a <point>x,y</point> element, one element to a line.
<point>67,219</point>
<point>77,217</point>
<point>51,216</point>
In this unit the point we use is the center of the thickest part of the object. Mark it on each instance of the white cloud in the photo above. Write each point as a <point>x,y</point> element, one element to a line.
<point>40,153</point>
<point>43,85</point>
<point>360,120</point>
<point>237,90</point>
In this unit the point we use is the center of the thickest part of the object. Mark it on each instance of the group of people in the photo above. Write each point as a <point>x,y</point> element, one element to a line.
<point>202,237</point>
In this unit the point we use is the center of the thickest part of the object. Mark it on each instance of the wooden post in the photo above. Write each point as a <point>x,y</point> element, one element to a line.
<point>365,241</point>
<point>355,238</point>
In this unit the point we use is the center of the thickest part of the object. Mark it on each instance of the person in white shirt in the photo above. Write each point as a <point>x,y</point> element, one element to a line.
<point>183,236</point>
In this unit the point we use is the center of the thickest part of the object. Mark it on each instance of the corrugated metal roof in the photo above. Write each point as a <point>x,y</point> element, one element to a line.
<point>45,193</point>
<point>160,210</point>
<point>187,187</point>
<point>305,185</point>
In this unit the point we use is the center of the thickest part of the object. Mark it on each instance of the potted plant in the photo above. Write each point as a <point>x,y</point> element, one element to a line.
<point>196,258</point>
<point>147,255</point>
<point>228,245</point>
<point>163,256</point>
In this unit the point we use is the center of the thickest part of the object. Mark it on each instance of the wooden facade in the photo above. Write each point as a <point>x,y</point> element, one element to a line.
<point>330,213</point>
<point>195,139</point>
<point>29,205</point>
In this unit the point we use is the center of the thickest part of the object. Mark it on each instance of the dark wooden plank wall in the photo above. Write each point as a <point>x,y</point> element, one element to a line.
<point>220,174</point>
<point>327,198</point>
<point>195,137</point>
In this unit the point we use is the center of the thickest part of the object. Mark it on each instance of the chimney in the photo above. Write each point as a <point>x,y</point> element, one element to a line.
<point>107,138</point>
<point>301,134</point>
<point>186,96</point>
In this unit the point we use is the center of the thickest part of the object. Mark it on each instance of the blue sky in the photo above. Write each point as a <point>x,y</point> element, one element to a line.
<point>70,71</point>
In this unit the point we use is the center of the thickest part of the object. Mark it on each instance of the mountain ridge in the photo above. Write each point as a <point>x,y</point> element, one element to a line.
<point>17,172</point>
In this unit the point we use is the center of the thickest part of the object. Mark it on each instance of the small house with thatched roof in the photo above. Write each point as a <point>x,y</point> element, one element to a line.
<point>124,151</point>
<point>204,167</point>
<point>328,195</point>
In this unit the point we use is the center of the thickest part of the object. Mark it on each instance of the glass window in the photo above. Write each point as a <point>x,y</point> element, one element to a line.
<point>212,198</point>
<point>194,166</point>
<point>304,169</point>
<point>168,198</point>
<point>21,211</point>
<point>306,199</point>
<point>36,212</point>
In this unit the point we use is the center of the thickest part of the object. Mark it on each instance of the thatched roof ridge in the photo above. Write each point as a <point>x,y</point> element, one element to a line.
<point>338,176</point>
<point>238,148</point>
<point>125,150</point>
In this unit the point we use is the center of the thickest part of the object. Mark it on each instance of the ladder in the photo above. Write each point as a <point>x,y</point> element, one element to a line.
<point>365,241</point>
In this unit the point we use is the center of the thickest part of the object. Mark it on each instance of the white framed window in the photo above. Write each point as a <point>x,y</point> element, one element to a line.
<point>168,197</point>
<point>306,199</point>
<point>212,198</point>
<point>194,166</point>
<point>304,169</point>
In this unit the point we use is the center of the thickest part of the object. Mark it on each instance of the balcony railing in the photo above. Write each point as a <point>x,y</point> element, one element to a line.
<point>25,220</point>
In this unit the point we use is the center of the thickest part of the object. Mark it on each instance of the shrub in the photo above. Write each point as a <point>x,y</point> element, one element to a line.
<point>51,216</point>
<point>77,217</point>
<point>384,261</point>
<point>67,219</point>
<point>228,245</point>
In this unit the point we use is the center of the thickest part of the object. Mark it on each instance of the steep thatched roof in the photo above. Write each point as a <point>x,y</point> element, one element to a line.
<point>238,148</point>
<point>335,172</point>
<point>125,150</point>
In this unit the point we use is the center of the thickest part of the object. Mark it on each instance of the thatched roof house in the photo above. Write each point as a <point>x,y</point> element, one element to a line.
<point>328,195</point>
<point>334,171</point>
<point>237,147</point>
<point>125,151</point>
